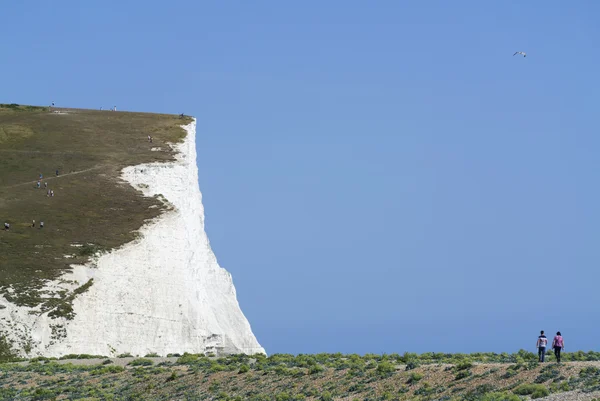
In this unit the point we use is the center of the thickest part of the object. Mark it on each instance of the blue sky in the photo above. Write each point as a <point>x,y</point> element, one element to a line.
<point>378,177</point>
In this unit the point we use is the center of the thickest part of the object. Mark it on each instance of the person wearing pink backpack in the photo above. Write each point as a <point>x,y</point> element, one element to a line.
<point>558,344</point>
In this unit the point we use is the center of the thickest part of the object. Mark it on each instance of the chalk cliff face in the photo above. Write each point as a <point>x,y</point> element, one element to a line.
<point>163,293</point>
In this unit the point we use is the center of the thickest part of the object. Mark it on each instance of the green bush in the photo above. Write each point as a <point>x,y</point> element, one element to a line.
<point>326,396</point>
<point>188,358</point>
<point>463,374</point>
<point>464,365</point>
<point>315,369</point>
<point>141,362</point>
<point>106,370</point>
<point>414,378</point>
<point>125,355</point>
<point>244,369</point>
<point>535,390</point>
<point>549,372</point>
<point>410,365</point>
<point>152,355</point>
<point>497,396</point>
<point>385,368</point>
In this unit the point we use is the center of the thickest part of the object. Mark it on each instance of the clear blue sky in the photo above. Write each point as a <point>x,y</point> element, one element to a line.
<point>377,176</point>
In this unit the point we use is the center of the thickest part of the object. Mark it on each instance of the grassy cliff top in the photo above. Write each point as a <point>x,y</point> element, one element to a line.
<point>323,377</point>
<point>91,210</point>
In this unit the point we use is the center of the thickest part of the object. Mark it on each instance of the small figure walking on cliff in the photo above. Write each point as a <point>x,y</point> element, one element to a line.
<point>57,172</point>
<point>38,185</point>
<point>33,224</point>
<point>51,192</point>
<point>45,184</point>
<point>6,226</point>
<point>559,345</point>
<point>41,224</point>
<point>115,108</point>
<point>542,341</point>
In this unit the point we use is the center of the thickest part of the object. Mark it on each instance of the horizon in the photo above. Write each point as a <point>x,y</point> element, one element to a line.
<point>382,178</point>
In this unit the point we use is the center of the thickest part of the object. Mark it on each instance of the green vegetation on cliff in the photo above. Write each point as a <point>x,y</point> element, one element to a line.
<point>92,209</point>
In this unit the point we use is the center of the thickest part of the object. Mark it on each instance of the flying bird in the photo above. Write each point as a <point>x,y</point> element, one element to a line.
<point>523,53</point>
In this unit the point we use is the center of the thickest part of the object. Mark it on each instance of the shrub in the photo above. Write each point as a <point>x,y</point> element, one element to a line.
<point>547,374</point>
<point>464,365</point>
<point>414,378</point>
<point>125,355</point>
<point>107,362</point>
<point>410,365</point>
<point>244,369</point>
<point>152,355</point>
<point>326,396</point>
<point>315,369</point>
<point>107,369</point>
<point>535,390</point>
<point>172,377</point>
<point>188,358</point>
<point>385,368</point>
<point>463,374</point>
<point>141,362</point>
<point>496,396</point>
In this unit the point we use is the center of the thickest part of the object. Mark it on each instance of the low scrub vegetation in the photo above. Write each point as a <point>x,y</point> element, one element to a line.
<point>295,377</point>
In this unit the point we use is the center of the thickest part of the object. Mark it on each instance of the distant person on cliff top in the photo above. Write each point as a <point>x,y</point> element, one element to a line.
<point>33,223</point>
<point>41,224</point>
<point>542,341</point>
<point>558,344</point>
<point>57,172</point>
<point>6,226</point>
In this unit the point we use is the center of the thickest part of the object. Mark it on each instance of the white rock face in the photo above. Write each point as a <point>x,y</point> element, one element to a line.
<point>163,293</point>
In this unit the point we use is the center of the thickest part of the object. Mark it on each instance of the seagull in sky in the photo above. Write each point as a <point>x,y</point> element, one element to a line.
<point>523,53</point>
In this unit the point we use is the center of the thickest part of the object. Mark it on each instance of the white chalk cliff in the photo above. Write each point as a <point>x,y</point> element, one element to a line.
<point>163,293</point>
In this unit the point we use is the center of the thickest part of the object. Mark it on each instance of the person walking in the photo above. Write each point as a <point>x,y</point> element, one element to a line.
<point>558,344</point>
<point>542,341</point>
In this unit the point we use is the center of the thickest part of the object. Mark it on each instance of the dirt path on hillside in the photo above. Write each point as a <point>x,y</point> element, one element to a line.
<point>52,177</point>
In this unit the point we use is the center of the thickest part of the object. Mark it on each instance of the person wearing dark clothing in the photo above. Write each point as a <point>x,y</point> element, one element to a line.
<point>558,344</point>
<point>57,173</point>
<point>542,341</point>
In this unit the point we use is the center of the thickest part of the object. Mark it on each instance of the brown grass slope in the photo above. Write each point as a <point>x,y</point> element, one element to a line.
<point>91,207</point>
